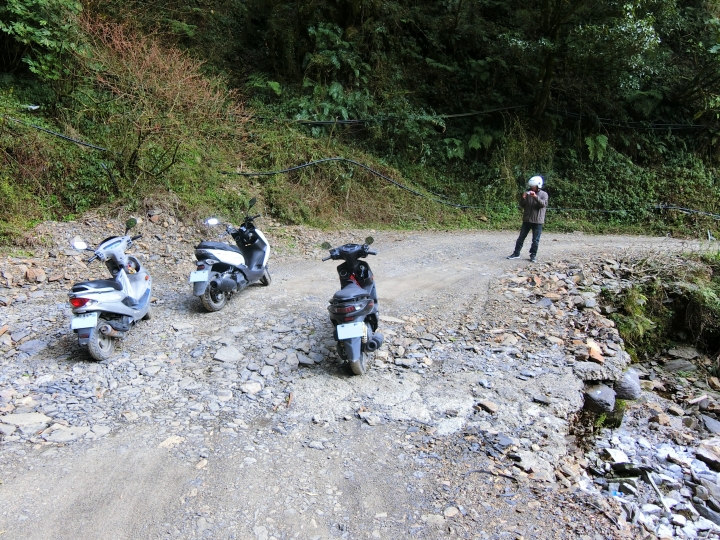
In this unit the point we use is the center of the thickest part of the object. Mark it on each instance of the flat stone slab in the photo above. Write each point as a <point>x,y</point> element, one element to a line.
<point>63,435</point>
<point>32,346</point>
<point>25,419</point>
<point>676,366</point>
<point>688,353</point>
<point>228,354</point>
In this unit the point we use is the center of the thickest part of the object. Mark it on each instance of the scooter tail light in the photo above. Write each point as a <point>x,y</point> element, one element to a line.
<point>201,267</point>
<point>79,302</point>
<point>344,309</point>
<point>351,308</point>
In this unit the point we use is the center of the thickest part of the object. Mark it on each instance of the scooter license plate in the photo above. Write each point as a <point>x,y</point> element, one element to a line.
<point>350,330</point>
<point>199,275</point>
<point>86,320</point>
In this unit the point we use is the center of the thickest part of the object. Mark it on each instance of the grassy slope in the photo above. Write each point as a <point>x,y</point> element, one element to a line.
<point>45,177</point>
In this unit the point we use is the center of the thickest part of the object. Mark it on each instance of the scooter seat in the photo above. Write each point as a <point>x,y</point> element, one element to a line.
<point>218,245</point>
<point>96,284</point>
<point>349,292</point>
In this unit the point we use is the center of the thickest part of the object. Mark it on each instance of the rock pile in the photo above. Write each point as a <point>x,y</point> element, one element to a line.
<point>662,464</point>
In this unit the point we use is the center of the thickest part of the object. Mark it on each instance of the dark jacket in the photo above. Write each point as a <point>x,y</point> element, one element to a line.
<point>534,207</point>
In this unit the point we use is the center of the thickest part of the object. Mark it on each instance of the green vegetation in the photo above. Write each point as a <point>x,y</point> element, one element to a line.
<point>611,420</point>
<point>616,104</point>
<point>673,299</point>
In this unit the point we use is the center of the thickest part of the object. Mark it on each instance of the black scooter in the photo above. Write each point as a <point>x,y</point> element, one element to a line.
<point>354,308</point>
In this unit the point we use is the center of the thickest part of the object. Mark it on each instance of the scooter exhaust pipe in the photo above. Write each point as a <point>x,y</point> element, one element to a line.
<point>375,342</point>
<point>108,330</point>
<point>224,284</point>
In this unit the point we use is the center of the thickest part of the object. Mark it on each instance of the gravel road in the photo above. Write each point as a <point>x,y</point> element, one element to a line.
<point>242,423</point>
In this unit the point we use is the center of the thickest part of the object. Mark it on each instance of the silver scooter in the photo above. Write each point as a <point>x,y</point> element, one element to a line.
<point>105,309</point>
<point>223,269</point>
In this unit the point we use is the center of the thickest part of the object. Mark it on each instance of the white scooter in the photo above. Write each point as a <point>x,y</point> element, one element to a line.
<point>105,309</point>
<point>224,269</point>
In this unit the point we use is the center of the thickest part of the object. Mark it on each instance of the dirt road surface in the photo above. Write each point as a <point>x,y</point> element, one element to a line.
<point>169,461</point>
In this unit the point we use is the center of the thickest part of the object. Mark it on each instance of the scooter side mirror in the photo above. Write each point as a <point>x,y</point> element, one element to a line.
<point>369,240</point>
<point>212,221</point>
<point>252,203</point>
<point>79,244</point>
<point>130,223</point>
<point>325,245</point>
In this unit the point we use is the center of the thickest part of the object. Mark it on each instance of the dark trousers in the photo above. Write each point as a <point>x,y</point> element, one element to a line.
<point>536,229</point>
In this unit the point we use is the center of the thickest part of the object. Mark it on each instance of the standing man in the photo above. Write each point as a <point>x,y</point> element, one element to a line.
<point>534,202</point>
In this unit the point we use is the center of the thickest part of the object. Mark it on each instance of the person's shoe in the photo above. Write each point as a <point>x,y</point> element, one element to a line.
<point>513,256</point>
<point>533,259</point>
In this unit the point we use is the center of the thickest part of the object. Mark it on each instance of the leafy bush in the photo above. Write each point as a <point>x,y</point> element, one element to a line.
<point>39,33</point>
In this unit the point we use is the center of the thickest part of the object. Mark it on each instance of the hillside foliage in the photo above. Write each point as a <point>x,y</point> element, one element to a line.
<point>616,103</point>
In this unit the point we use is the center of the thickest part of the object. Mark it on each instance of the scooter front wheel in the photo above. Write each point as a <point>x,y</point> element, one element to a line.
<point>213,300</point>
<point>359,366</point>
<point>266,280</point>
<point>100,346</point>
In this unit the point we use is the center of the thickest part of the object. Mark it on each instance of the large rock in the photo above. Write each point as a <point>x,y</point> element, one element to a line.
<point>252,387</point>
<point>708,455</point>
<point>32,346</point>
<point>532,463</point>
<point>228,354</point>
<point>629,386</point>
<point>612,370</point>
<point>676,366</point>
<point>712,425</point>
<point>688,353</point>
<point>707,513</point>
<point>599,398</point>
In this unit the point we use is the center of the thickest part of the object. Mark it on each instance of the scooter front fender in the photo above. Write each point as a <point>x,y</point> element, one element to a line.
<point>353,348</point>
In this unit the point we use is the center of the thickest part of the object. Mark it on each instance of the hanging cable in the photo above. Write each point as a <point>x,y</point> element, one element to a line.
<point>60,135</point>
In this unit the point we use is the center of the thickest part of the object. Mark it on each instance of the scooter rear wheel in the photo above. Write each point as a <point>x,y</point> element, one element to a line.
<point>100,346</point>
<point>214,301</point>
<point>359,367</point>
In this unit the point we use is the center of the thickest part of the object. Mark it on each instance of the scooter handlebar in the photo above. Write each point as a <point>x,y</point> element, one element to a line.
<point>91,259</point>
<point>327,258</point>
<point>136,237</point>
<point>371,252</point>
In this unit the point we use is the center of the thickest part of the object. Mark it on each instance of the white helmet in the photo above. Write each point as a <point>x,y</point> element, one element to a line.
<point>536,181</point>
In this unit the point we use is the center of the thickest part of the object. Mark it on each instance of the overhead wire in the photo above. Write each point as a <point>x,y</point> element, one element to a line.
<point>56,134</point>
